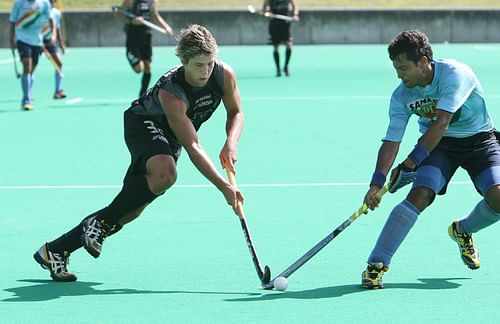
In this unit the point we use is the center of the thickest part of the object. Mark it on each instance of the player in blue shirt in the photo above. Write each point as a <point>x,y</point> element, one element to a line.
<point>55,49</point>
<point>26,20</point>
<point>457,132</point>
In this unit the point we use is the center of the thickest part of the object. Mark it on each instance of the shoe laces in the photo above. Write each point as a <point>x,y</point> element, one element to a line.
<point>99,229</point>
<point>59,262</point>
<point>466,242</point>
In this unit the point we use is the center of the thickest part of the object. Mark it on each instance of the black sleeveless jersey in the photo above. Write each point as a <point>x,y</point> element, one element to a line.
<point>142,8</point>
<point>201,102</point>
<point>280,7</point>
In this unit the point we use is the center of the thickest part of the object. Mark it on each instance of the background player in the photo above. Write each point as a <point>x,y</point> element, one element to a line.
<point>55,49</point>
<point>138,43</point>
<point>26,20</point>
<point>157,125</point>
<point>279,30</point>
<point>457,132</point>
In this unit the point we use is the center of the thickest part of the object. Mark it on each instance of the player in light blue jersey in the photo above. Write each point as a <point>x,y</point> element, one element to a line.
<point>457,132</point>
<point>55,49</point>
<point>26,20</point>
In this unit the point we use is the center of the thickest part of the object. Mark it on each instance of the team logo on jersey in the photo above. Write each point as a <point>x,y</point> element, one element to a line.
<point>425,107</point>
<point>202,107</point>
<point>157,132</point>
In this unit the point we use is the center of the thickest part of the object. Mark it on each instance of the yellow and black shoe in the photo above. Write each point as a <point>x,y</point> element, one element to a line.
<point>371,278</point>
<point>468,251</point>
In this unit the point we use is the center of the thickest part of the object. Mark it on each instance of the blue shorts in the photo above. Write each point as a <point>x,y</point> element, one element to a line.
<point>29,51</point>
<point>479,155</point>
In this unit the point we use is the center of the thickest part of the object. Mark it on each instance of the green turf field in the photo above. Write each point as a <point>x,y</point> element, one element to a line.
<point>306,155</point>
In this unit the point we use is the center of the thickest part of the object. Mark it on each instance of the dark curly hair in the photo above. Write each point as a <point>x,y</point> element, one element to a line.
<point>412,44</point>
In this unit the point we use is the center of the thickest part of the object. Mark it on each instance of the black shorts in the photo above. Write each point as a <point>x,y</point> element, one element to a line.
<point>145,137</point>
<point>139,48</point>
<point>279,31</point>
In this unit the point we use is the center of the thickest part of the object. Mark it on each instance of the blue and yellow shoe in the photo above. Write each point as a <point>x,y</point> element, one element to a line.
<point>371,278</point>
<point>468,251</point>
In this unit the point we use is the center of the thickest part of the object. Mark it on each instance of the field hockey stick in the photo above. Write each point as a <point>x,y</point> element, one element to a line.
<point>264,275</point>
<point>252,10</point>
<point>54,60</point>
<point>324,242</point>
<point>132,16</point>
<point>18,75</point>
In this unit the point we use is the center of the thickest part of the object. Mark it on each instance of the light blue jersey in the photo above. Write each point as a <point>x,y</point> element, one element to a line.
<point>55,14</point>
<point>454,89</point>
<point>28,18</point>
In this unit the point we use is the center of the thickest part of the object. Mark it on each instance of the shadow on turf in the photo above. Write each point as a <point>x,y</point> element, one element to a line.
<point>44,290</point>
<point>339,291</point>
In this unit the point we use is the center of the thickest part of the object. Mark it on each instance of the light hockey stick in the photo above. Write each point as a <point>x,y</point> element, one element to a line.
<point>54,60</point>
<point>264,275</point>
<point>132,16</point>
<point>252,10</point>
<point>324,242</point>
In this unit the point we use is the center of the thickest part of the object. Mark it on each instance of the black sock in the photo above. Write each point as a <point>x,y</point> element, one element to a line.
<point>70,241</point>
<point>146,77</point>
<point>288,53</point>
<point>276,55</point>
<point>134,194</point>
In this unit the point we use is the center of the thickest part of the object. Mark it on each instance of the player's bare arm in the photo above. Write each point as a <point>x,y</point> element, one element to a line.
<point>160,21</point>
<point>175,111</point>
<point>295,10</point>
<point>434,134</point>
<point>12,42</point>
<point>235,120</point>
<point>386,156</point>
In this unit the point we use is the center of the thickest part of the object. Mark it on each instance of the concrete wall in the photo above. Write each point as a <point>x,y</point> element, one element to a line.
<point>98,28</point>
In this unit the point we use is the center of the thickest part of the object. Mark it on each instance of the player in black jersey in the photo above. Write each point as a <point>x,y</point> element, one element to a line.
<point>157,125</point>
<point>279,30</point>
<point>138,43</point>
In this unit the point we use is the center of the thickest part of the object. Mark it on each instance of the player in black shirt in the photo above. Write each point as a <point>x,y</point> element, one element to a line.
<point>138,43</point>
<point>157,125</point>
<point>279,30</point>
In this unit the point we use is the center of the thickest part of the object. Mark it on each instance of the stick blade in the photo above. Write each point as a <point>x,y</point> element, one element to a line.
<point>266,277</point>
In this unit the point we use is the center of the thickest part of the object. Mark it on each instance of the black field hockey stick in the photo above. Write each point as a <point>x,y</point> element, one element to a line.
<point>18,75</point>
<point>324,242</point>
<point>252,10</point>
<point>130,15</point>
<point>264,275</point>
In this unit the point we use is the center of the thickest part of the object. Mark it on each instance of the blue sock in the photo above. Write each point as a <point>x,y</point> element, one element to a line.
<point>25,83</point>
<point>399,223</point>
<point>58,81</point>
<point>480,217</point>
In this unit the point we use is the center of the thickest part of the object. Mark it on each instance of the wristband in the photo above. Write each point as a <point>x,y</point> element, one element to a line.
<point>378,179</point>
<point>418,154</point>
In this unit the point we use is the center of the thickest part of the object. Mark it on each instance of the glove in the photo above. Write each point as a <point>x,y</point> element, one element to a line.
<point>404,175</point>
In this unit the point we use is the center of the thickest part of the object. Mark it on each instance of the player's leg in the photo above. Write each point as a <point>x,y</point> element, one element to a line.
<point>54,52</point>
<point>151,173</point>
<point>432,177</point>
<point>25,55</point>
<point>275,41</point>
<point>146,56</point>
<point>288,51</point>
<point>484,168</point>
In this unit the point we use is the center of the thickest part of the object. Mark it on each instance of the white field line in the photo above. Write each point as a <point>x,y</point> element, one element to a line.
<point>74,100</point>
<point>256,185</point>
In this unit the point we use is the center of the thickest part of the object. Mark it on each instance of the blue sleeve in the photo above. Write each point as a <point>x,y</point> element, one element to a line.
<point>14,14</point>
<point>456,85</point>
<point>398,118</point>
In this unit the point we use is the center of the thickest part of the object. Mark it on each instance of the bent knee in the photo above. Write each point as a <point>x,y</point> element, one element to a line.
<point>161,173</point>
<point>493,198</point>
<point>421,197</point>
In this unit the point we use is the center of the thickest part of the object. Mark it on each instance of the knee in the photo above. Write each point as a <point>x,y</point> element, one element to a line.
<point>161,178</point>
<point>493,198</point>
<point>421,197</point>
